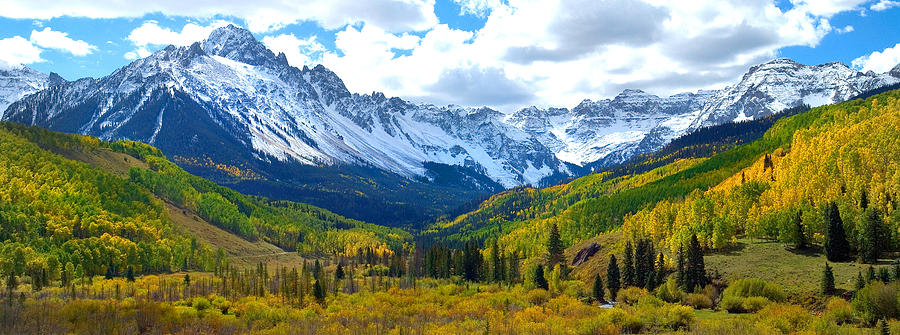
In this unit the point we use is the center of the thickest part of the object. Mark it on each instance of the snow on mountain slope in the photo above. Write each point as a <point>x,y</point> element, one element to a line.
<point>608,132</point>
<point>19,81</point>
<point>278,112</point>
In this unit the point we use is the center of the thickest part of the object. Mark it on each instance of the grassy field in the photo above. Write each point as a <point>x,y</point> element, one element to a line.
<point>797,272</point>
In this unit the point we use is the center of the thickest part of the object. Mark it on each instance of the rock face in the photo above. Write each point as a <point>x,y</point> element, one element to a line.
<point>20,81</point>
<point>585,254</point>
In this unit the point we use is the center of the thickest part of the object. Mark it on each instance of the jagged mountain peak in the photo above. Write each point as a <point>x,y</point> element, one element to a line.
<point>895,71</point>
<point>237,44</point>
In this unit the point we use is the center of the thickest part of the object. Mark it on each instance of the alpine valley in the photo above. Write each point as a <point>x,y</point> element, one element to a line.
<point>229,109</point>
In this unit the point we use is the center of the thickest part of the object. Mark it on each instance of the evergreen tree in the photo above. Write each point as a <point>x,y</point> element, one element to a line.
<point>187,280</point>
<point>896,272</point>
<point>628,265</point>
<point>539,280</point>
<point>696,268</point>
<point>339,272</point>
<point>497,262</point>
<point>883,327</point>
<point>612,277</point>
<point>660,271</point>
<point>555,248</point>
<point>837,248</point>
<point>870,275</point>
<point>864,200</point>
<point>827,280</point>
<point>680,271</point>
<point>129,274</point>
<point>472,261</point>
<point>799,234</point>
<point>884,275</point>
<point>597,292</point>
<point>860,282</point>
<point>319,291</point>
<point>871,238</point>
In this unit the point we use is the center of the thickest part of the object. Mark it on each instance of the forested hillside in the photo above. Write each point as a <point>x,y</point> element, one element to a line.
<point>74,206</point>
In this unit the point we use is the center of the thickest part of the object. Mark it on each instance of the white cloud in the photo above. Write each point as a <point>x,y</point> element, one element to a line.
<point>480,8</point>
<point>845,29</point>
<point>299,52</point>
<point>18,50</point>
<point>884,5</point>
<point>261,15</point>
<point>150,33</point>
<point>879,61</point>
<point>50,39</point>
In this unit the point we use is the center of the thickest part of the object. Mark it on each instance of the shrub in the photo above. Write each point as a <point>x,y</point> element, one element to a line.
<point>669,292</point>
<point>680,317</point>
<point>631,295</point>
<point>753,304</point>
<point>839,311</point>
<point>752,287</point>
<point>538,296</point>
<point>876,301</point>
<point>697,301</point>
<point>732,304</point>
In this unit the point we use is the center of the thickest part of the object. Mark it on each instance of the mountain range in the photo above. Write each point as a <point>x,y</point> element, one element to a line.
<point>229,109</point>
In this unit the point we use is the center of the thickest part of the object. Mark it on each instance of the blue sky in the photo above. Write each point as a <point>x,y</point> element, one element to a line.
<point>500,53</point>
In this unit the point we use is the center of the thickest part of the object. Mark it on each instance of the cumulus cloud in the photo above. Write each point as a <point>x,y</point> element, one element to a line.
<point>18,50</point>
<point>478,86</point>
<point>879,61</point>
<point>50,39</point>
<point>261,16</point>
<point>150,34</point>
<point>884,5</point>
<point>845,29</point>
<point>299,52</point>
<point>480,8</point>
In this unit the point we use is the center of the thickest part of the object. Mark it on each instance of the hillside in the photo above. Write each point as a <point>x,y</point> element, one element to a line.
<point>74,203</point>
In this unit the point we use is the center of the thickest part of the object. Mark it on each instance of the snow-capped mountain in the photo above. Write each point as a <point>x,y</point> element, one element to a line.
<point>16,82</point>
<point>606,132</point>
<point>231,100</point>
<point>231,90</point>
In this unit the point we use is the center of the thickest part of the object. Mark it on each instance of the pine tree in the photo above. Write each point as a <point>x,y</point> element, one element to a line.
<point>827,280</point>
<point>696,268</point>
<point>660,271</point>
<point>129,274</point>
<point>539,280</point>
<point>612,277</point>
<point>837,248</point>
<point>860,282</point>
<point>339,272</point>
<point>597,292</point>
<point>680,271</point>
<point>799,234</point>
<point>319,291</point>
<point>628,265</point>
<point>870,275</point>
<point>497,262</point>
<point>555,248</point>
<point>871,238</point>
<point>884,275</point>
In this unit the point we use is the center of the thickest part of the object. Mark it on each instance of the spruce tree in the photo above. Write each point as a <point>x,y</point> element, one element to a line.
<point>799,234</point>
<point>539,280</point>
<point>660,270</point>
<point>837,249</point>
<point>827,280</point>
<point>497,262</point>
<point>628,265</point>
<point>696,268</point>
<point>129,274</point>
<point>864,200</point>
<point>339,272</point>
<point>680,271</point>
<point>612,277</point>
<point>597,292</point>
<point>871,239</point>
<point>860,282</point>
<point>555,248</point>
<point>870,275</point>
<point>319,291</point>
<point>884,275</point>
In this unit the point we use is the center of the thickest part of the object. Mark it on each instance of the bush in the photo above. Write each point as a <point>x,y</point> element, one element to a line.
<point>697,301</point>
<point>753,304</point>
<point>876,301</point>
<point>538,296</point>
<point>631,295</point>
<point>669,292</point>
<point>732,304</point>
<point>680,317</point>
<point>752,287</point>
<point>839,311</point>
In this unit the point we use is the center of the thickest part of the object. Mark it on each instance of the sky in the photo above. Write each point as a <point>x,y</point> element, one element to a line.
<point>504,54</point>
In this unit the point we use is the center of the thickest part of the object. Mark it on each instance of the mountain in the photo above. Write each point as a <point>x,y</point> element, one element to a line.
<point>599,134</point>
<point>229,109</point>
<point>16,82</point>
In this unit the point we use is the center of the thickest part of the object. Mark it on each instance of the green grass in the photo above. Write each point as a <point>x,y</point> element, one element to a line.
<point>799,273</point>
